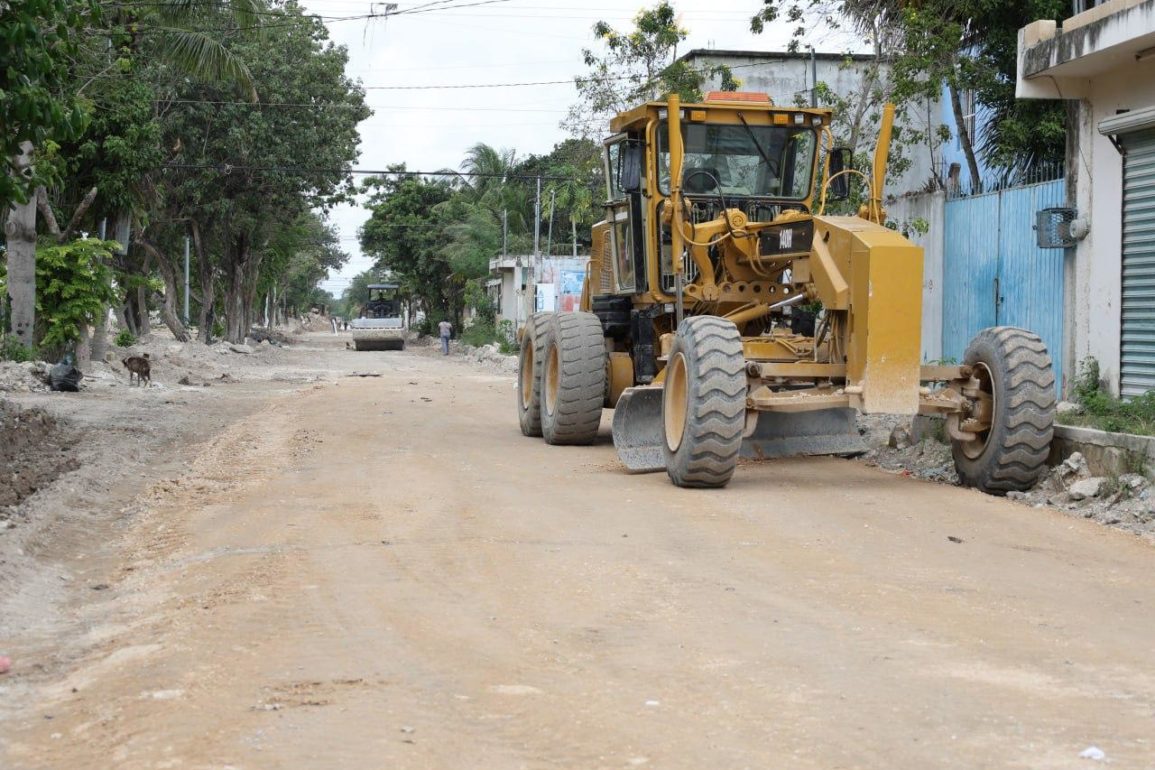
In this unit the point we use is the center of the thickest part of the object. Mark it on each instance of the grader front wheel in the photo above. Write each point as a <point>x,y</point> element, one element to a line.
<point>573,379</point>
<point>1017,391</point>
<point>704,403</point>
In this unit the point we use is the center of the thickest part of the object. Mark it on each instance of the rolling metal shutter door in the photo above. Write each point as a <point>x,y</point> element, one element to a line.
<point>1138,344</point>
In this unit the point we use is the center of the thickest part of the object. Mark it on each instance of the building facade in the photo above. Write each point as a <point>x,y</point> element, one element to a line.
<point>556,285</point>
<point>1102,62</point>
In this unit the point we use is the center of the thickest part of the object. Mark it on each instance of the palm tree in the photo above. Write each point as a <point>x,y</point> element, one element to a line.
<point>487,173</point>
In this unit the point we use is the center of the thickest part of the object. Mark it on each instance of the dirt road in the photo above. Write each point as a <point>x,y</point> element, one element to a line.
<point>383,573</point>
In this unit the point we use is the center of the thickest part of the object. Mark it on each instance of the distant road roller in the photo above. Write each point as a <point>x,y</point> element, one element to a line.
<point>381,325</point>
<point>724,314</point>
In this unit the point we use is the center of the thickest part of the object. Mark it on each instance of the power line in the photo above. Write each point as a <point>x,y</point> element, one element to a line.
<point>228,168</point>
<point>323,105</point>
<point>291,20</point>
<point>530,83</point>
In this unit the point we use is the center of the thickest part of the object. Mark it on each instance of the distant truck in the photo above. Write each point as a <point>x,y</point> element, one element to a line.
<point>382,322</point>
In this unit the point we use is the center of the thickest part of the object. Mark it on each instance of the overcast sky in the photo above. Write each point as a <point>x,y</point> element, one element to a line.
<point>474,42</point>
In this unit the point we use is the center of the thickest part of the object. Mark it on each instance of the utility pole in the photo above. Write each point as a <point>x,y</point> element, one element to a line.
<point>186,279</point>
<point>549,238</point>
<point>531,289</point>
<point>813,78</point>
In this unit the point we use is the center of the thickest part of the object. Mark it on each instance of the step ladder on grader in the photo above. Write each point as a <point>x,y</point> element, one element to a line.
<point>724,314</point>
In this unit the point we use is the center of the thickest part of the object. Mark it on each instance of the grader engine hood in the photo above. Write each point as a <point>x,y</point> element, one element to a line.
<point>875,275</point>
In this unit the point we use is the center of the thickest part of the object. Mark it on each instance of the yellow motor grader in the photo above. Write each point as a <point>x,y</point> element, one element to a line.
<point>724,314</point>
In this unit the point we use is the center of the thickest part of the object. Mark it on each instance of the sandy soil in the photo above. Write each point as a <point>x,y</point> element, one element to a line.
<point>381,572</point>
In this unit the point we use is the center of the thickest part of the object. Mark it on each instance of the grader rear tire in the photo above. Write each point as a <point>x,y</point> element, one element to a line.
<point>704,403</point>
<point>573,379</point>
<point>529,367</point>
<point>1014,367</point>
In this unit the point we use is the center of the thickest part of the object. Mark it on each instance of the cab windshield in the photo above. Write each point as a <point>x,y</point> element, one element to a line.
<point>726,159</point>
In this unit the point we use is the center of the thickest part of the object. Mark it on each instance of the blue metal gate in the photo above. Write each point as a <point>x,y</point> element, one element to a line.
<point>994,273</point>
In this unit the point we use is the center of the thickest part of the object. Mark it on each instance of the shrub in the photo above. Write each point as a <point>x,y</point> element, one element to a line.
<point>125,339</point>
<point>480,333</point>
<point>1104,411</point>
<point>12,350</point>
<point>73,287</point>
<point>507,337</point>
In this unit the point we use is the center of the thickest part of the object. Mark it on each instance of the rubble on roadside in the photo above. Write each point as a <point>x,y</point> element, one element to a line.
<point>173,363</point>
<point>25,377</point>
<point>491,356</point>
<point>1126,501</point>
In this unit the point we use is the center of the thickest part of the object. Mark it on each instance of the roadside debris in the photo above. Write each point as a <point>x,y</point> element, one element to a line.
<point>1093,752</point>
<point>918,450</point>
<point>5,664</point>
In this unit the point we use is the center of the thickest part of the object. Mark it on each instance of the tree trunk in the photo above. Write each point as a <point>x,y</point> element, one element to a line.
<point>208,289</point>
<point>167,301</point>
<point>84,346</point>
<point>241,289</point>
<point>21,231</point>
<point>965,140</point>
<point>100,336</point>
<point>142,320</point>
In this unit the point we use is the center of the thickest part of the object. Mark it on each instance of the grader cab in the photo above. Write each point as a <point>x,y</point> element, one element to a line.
<point>724,314</point>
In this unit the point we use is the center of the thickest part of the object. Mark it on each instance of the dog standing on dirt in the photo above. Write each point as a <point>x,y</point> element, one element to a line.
<point>139,368</point>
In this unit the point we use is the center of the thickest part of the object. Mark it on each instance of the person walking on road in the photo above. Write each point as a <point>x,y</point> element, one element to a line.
<point>445,329</point>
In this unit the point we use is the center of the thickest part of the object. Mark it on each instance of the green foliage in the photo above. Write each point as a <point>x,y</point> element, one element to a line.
<point>1103,411</point>
<point>12,350</point>
<point>406,236</point>
<point>909,228</point>
<point>486,332</point>
<point>242,172</point>
<point>299,255</point>
<point>73,287</point>
<point>637,66</point>
<point>507,337</point>
<point>1088,380</point>
<point>38,42</point>
<point>967,45</point>
<point>125,339</point>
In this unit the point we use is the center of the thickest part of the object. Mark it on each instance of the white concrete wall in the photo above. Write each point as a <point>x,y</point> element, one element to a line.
<point>932,208</point>
<point>1096,315</point>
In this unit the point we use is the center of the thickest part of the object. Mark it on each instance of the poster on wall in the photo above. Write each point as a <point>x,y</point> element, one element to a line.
<point>545,301</point>
<point>571,281</point>
<point>569,297</point>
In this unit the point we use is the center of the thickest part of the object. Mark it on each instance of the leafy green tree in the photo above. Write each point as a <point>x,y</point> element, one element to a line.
<point>575,182</point>
<point>634,67</point>
<point>300,254</point>
<point>241,170</point>
<point>404,234</point>
<point>38,39</point>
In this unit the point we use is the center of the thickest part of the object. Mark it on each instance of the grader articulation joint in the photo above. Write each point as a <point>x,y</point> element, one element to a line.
<point>725,314</point>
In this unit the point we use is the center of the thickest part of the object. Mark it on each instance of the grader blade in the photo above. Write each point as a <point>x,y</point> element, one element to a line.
<point>638,430</point>
<point>790,434</point>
